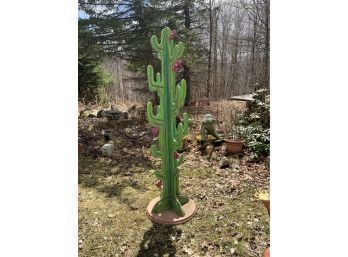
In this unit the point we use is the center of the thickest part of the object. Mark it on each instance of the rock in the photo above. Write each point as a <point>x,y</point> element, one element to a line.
<point>224,163</point>
<point>133,207</point>
<point>209,150</point>
<point>107,149</point>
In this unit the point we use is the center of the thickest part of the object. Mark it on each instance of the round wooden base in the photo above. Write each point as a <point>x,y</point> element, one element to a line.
<point>169,217</point>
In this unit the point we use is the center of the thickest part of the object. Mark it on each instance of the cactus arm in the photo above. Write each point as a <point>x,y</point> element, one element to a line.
<point>180,133</point>
<point>160,112</point>
<point>186,124</point>
<point>153,84</point>
<point>155,45</point>
<point>177,51</point>
<point>182,92</point>
<point>179,97</point>
<point>159,175</point>
<point>158,77</point>
<point>176,104</point>
<point>155,152</point>
<point>164,38</point>
<point>177,142</point>
<point>153,120</point>
<point>179,161</point>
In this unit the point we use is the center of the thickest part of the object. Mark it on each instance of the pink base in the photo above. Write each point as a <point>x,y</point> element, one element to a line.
<point>169,217</point>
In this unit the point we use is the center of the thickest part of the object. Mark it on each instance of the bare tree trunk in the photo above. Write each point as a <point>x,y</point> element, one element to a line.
<point>252,71</point>
<point>186,74</point>
<point>210,47</point>
<point>235,52</point>
<point>215,50</point>
<point>266,49</point>
<point>224,38</point>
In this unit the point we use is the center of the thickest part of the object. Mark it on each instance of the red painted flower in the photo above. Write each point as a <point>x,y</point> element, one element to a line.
<point>172,34</point>
<point>154,132</point>
<point>158,184</point>
<point>178,65</point>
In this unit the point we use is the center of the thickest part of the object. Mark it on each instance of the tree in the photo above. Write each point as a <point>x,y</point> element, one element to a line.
<point>92,80</point>
<point>122,28</point>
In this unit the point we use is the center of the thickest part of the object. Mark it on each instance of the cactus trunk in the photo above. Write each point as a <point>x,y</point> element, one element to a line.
<point>170,136</point>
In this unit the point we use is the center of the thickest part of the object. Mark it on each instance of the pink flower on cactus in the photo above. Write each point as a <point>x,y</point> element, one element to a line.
<point>178,65</point>
<point>154,132</point>
<point>176,155</point>
<point>172,34</point>
<point>158,184</point>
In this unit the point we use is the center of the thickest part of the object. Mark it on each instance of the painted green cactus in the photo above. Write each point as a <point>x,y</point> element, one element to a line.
<point>172,99</point>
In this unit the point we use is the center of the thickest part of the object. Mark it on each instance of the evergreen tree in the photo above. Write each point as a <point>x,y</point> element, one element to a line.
<point>92,80</point>
<point>123,28</point>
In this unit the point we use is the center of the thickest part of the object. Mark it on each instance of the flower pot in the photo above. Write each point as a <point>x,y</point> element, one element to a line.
<point>267,205</point>
<point>234,146</point>
<point>267,253</point>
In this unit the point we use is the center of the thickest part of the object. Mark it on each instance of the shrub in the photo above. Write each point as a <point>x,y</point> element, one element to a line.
<point>256,120</point>
<point>93,80</point>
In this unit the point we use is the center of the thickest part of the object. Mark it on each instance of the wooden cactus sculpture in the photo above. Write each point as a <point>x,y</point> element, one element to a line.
<point>170,135</point>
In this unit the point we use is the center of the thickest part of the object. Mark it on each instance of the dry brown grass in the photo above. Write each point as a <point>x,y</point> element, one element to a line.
<point>224,111</point>
<point>227,113</point>
<point>120,105</point>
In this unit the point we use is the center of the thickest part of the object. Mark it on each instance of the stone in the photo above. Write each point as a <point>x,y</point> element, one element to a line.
<point>209,150</point>
<point>224,163</point>
<point>107,149</point>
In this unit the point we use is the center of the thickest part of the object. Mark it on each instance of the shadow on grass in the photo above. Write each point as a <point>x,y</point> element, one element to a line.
<point>109,177</point>
<point>116,189</point>
<point>158,241</point>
